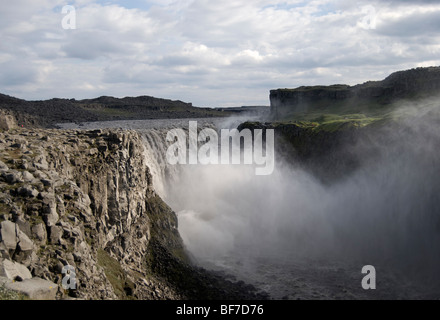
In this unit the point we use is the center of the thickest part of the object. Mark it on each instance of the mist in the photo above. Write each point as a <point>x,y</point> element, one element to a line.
<point>386,212</point>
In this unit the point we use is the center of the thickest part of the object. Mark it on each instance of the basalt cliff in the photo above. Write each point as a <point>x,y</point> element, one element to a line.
<point>371,96</point>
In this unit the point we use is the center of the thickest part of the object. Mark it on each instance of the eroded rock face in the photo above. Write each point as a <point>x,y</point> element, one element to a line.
<point>7,121</point>
<point>79,198</point>
<point>8,235</point>
<point>35,288</point>
<point>14,270</point>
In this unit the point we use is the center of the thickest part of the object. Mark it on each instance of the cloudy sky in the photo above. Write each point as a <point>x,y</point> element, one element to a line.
<point>211,53</point>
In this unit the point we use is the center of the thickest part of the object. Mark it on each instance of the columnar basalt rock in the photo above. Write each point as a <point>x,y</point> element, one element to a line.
<point>7,120</point>
<point>80,192</point>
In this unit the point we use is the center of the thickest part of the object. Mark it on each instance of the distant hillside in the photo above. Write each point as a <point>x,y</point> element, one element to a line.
<point>370,98</point>
<point>47,113</point>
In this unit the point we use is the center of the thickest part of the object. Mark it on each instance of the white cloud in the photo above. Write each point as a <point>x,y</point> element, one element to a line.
<point>208,52</point>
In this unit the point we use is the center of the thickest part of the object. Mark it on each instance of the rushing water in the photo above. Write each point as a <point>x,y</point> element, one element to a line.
<point>296,238</point>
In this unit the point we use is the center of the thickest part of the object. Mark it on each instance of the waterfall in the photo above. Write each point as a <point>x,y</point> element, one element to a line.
<point>384,214</point>
<point>156,145</point>
<point>287,230</point>
<point>155,154</point>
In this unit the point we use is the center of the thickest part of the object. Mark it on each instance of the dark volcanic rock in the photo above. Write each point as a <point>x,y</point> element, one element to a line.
<point>410,84</point>
<point>47,113</point>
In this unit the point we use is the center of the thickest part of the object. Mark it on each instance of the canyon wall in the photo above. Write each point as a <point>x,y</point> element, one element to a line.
<point>410,84</point>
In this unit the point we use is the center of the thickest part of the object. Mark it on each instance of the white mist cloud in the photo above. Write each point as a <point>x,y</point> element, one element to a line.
<point>208,52</point>
<point>384,212</point>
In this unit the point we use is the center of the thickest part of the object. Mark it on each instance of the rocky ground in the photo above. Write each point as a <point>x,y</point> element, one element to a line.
<point>86,199</point>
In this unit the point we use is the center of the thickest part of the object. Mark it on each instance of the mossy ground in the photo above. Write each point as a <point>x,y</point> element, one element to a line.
<point>4,209</point>
<point>122,286</point>
<point>6,294</point>
<point>331,122</point>
<point>164,222</point>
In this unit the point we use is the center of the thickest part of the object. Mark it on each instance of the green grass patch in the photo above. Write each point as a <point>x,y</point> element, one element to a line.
<point>122,286</point>
<point>329,122</point>
<point>8,187</point>
<point>6,294</point>
<point>34,220</point>
<point>112,112</point>
<point>4,209</point>
<point>164,229</point>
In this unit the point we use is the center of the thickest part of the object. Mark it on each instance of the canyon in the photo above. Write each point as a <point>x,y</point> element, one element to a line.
<point>354,183</point>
